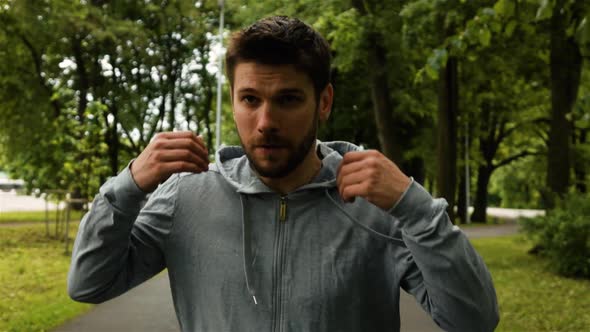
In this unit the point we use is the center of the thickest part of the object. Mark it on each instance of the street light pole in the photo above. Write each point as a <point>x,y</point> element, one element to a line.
<point>219,77</point>
<point>467,220</point>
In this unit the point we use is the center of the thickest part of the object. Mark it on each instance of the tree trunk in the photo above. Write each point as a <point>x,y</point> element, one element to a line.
<point>382,103</point>
<point>579,167</point>
<point>462,211</point>
<point>448,98</point>
<point>38,61</point>
<point>415,167</point>
<point>83,87</point>
<point>566,65</point>
<point>480,203</point>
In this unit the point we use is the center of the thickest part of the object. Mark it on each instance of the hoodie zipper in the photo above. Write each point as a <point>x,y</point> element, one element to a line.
<point>283,210</point>
<point>279,265</point>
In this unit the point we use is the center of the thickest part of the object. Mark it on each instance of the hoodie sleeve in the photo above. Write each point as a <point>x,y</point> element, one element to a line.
<point>120,244</point>
<point>440,268</point>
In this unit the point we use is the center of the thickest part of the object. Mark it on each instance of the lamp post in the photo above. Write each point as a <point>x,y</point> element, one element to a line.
<point>467,220</point>
<point>219,77</point>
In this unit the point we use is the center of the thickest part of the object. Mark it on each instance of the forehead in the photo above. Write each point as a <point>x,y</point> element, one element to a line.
<point>270,78</point>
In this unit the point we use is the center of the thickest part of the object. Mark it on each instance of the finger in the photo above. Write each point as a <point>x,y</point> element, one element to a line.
<point>181,155</point>
<point>183,143</point>
<point>201,143</point>
<point>179,167</point>
<point>161,137</point>
<point>352,157</point>
<point>356,177</point>
<point>349,192</point>
<point>175,134</point>
<point>350,168</point>
<point>356,156</point>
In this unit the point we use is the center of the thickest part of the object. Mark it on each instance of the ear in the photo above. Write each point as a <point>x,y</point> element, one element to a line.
<point>326,99</point>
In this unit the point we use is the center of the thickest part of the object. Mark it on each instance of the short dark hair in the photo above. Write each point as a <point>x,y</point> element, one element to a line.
<point>281,40</point>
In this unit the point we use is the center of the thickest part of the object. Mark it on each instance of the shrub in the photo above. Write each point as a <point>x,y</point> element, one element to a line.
<point>563,235</point>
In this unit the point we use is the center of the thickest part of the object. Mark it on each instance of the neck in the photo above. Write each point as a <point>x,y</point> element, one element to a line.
<point>300,176</point>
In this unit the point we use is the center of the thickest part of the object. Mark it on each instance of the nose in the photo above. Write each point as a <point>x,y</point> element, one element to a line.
<point>267,119</point>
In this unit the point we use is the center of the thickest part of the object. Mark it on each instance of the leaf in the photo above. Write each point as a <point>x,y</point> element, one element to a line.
<point>485,37</point>
<point>583,32</point>
<point>436,62</point>
<point>431,72</point>
<point>504,8</point>
<point>545,11</point>
<point>509,29</point>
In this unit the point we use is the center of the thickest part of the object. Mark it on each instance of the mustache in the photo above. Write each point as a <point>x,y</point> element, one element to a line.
<point>270,140</point>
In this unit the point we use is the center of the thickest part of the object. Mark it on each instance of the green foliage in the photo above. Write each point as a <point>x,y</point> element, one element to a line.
<point>530,297</point>
<point>564,235</point>
<point>149,66</point>
<point>515,185</point>
<point>84,86</point>
<point>35,216</point>
<point>33,272</point>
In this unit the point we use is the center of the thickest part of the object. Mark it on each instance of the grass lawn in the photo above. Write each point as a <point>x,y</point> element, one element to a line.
<point>34,216</point>
<point>33,272</point>
<point>531,298</point>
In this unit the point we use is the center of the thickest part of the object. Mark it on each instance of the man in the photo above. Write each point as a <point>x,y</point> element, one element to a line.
<point>284,233</point>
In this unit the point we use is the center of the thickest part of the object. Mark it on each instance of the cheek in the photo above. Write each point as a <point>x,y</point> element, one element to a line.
<point>244,123</point>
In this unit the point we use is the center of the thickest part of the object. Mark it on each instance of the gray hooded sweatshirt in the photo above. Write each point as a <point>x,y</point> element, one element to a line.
<point>241,257</point>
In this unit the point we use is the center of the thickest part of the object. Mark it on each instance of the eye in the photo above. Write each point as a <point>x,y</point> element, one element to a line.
<point>289,99</point>
<point>249,100</point>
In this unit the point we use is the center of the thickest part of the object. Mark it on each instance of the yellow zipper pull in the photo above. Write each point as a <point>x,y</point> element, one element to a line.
<point>283,210</point>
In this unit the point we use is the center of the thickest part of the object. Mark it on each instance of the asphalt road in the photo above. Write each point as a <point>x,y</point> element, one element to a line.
<point>148,308</point>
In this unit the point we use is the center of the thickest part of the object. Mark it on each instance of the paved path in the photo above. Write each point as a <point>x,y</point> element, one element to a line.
<point>474,232</point>
<point>148,308</point>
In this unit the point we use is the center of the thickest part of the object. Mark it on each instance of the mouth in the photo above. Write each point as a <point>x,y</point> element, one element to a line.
<point>269,148</point>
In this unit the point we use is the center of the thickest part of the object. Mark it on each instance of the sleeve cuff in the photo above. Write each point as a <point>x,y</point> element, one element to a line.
<point>122,191</point>
<point>414,206</point>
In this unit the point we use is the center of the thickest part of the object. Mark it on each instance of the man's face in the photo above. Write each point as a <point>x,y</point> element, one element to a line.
<point>276,115</point>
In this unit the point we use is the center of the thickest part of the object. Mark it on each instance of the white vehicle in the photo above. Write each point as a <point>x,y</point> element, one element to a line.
<point>7,184</point>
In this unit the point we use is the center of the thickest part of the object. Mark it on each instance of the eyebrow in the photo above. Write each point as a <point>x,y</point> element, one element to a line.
<point>280,92</point>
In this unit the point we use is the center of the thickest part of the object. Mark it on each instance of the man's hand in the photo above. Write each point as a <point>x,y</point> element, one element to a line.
<point>169,153</point>
<point>371,175</point>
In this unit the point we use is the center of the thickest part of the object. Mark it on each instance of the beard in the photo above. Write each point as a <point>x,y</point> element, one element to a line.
<point>296,152</point>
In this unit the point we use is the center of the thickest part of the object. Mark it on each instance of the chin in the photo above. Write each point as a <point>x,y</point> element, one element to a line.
<point>272,172</point>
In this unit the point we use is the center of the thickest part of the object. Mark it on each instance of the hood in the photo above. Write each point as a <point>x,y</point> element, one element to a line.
<point>232,163</point>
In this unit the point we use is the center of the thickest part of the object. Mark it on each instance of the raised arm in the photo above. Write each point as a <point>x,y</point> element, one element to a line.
<point>439,267</point>
<point>119,243</point>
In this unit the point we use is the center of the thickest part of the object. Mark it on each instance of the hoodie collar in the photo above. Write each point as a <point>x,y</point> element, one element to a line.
<point>234,166</point>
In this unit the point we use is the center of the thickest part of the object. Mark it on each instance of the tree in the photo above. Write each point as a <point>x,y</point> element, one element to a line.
<point>365,38</point>
<point>566,68</point>
<point>113,74</point>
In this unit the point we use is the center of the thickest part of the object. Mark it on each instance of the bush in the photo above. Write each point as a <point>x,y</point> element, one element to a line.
<point>563,235</point>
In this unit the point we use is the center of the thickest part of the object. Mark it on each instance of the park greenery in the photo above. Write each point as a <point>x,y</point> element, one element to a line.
<point>530,296</point>
<point>499,86</point>
<point>563,235</point>
<point>33,270</point>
